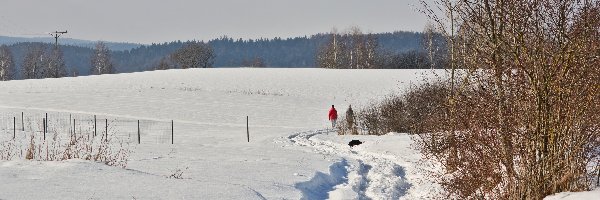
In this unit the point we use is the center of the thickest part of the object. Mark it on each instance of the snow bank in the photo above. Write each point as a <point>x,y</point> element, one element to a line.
<point>79,179</point>
<point>320,184</point>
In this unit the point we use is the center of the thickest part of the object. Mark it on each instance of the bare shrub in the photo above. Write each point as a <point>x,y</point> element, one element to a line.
<point>370,120</point>
<point>112,152</point>
<point>522,122</point>
<point>426,106</point>
<point>7,150</point>
<point>177,173</point>
<point>343,128</point>
<point>393,115</point>
<point>419,110</point>
<point>30,149</point>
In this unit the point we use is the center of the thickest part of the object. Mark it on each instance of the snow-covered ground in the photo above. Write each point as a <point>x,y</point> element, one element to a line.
<point>594,194</point>
<point>292,153</point>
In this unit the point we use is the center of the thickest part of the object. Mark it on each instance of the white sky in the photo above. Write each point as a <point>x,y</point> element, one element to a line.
<point>148,21</point>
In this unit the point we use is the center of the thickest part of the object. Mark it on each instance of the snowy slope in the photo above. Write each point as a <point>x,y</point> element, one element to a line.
<point>588,195</point>
<point>291,155</point>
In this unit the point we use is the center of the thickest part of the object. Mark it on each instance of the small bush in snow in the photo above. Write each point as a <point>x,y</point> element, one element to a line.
<point>177,173</point>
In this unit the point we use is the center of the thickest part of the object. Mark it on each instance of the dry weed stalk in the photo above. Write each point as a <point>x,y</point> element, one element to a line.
<point>112,152</point>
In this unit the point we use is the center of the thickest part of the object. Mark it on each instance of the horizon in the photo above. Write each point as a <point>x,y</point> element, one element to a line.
<point>155,21</point>
<point>211,39</point>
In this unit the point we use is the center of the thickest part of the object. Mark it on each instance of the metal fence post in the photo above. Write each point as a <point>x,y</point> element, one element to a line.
<point>44,123</point>
<point>106,129</point>
<point>247,129</point>
<point>138,130</point>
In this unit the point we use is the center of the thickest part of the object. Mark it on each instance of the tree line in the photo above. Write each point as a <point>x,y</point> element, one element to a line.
<point>353,49</point>
<point>41,60</point>
<point>384,50</point>
<point>276,52</point>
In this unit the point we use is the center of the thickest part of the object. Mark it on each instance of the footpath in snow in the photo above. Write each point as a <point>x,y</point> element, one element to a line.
<point>383,167</point>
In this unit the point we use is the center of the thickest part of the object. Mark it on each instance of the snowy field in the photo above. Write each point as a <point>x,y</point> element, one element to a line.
<point>292,153</point>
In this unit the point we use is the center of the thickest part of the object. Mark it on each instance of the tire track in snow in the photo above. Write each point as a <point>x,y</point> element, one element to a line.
<point>369,175</point>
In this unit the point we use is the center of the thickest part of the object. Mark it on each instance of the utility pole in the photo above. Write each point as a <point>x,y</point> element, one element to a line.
<point>56,35</point>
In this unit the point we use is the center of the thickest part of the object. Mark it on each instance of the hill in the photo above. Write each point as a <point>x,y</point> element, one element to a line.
<point>291,154</point>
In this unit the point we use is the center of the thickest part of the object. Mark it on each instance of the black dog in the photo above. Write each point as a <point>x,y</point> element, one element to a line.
<point>354,143</point>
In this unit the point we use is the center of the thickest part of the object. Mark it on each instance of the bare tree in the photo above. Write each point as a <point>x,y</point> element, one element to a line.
<point>353,49</point>
<point>55,65</point>
<point>329,55</point>
<point>164,64</point>
<point>194,55</point>
<point>101,62</point>
<point>7,65</point>
<point>434,44</point>
<point>254,62</point>
<point>370,52</point>
<point>34,62</point>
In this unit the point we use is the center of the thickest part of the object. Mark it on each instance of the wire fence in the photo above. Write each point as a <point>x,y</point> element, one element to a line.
<point>15,124</point>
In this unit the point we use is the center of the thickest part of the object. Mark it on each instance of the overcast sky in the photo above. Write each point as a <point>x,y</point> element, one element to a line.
<point>155,21</point>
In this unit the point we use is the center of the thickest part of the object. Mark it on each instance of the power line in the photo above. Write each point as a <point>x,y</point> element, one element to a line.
<point>56,35</point>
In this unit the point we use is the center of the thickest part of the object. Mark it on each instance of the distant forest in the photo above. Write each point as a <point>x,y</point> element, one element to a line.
<point>229,52</point>
<point>115,46</point>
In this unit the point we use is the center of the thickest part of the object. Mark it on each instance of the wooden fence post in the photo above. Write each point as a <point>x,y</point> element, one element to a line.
<point>95,125</point>
<point>598,179</point>
<point>172,135</point>
<point>247,129</point>
<point>138,132</point>
<point>74,132</point>
<point>46,122</point>
<point>14,127</point>
<point>22,123</point>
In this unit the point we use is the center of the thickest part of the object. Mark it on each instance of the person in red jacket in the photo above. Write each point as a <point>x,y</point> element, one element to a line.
<point>333,116</point>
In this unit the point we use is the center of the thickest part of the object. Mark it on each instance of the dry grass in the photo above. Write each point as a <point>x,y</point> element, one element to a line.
<point>111,151</point>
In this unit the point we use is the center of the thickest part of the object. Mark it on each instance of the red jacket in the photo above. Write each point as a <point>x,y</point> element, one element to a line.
<point>332,114</point>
